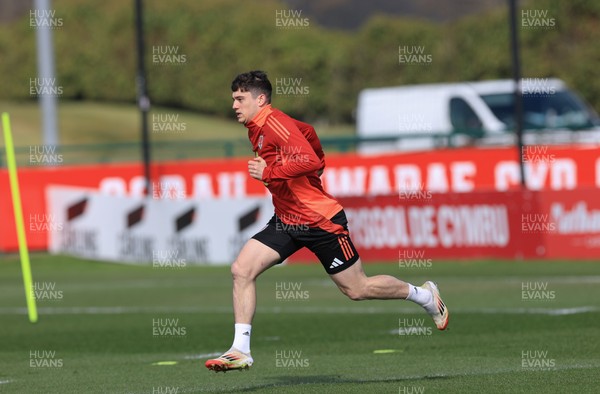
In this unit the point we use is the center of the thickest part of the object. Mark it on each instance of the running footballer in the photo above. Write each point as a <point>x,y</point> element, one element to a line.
<point>289,161</point>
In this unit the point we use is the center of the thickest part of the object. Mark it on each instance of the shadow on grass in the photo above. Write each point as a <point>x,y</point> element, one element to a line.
<point>288,381</point>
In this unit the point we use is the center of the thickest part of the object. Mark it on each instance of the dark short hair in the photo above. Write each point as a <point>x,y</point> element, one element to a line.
<point>255,82</point>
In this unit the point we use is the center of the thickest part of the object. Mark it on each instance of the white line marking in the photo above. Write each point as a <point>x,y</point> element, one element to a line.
<point>556,280</point>
<point>120,310</point>
<point>200,356</point>
<point>186,282</point>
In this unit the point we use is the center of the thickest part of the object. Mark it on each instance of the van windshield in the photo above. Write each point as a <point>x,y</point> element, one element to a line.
<point>558,110</point>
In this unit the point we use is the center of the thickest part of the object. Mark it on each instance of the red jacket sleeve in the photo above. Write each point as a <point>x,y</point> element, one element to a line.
<point>311,136</point>
<point>294,155</point>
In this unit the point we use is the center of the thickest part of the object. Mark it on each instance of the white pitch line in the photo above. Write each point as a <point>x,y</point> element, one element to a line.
<point>200,356</point>
<point>290,309</point>
<point>555,280</point>
<point>143,284</point>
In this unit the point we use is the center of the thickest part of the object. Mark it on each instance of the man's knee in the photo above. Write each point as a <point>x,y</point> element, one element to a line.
<point>241,271</point>
<point>353,282</point>
<point>355,293</point>
<point>253,259</point>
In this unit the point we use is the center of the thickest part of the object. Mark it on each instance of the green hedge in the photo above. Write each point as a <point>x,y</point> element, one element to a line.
<point>216,39</point>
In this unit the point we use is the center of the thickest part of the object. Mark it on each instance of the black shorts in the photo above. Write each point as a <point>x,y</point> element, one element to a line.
<point>335,251</point>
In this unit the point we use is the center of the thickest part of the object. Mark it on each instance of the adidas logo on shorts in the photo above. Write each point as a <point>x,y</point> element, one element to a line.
<point>336,263</point>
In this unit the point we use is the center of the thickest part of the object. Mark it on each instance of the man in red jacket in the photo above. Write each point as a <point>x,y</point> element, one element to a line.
<point>289,160</point>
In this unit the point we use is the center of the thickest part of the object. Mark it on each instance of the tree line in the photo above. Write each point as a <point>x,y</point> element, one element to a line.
<point>195,48</point>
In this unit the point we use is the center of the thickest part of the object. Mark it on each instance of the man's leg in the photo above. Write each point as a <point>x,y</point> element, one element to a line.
<point>339,257</point>
<point>254,258</point>
<point>357,286</point>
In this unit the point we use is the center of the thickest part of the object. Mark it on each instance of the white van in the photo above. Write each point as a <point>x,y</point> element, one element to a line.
<point>472,113</point>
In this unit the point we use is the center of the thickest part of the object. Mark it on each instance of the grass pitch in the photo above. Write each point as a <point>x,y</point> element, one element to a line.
<point>108,328</point>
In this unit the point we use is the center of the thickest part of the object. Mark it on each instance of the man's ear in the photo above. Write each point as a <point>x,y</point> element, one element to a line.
<point>262,99</point>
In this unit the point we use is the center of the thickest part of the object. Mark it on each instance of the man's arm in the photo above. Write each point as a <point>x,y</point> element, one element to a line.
<point>292,150</point>
<point>311,136</point>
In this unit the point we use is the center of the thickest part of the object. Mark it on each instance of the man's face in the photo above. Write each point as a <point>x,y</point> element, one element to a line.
<point>246,106</point>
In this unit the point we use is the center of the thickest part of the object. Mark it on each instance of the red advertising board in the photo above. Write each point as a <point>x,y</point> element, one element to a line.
<point>416,227</point>
<point>458,171</point>
<point>466,225</point>
<point>572,224</point>
<point>545,224</point>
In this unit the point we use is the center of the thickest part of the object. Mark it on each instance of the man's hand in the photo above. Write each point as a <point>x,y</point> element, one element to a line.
<point>256,167</point>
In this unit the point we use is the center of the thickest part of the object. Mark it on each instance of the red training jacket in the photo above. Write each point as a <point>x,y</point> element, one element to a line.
<point>294,158</point>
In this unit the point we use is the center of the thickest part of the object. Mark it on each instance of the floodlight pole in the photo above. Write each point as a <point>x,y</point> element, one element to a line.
<point>142,94</point>
<point>45,64</point>
<point>518,92</point>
